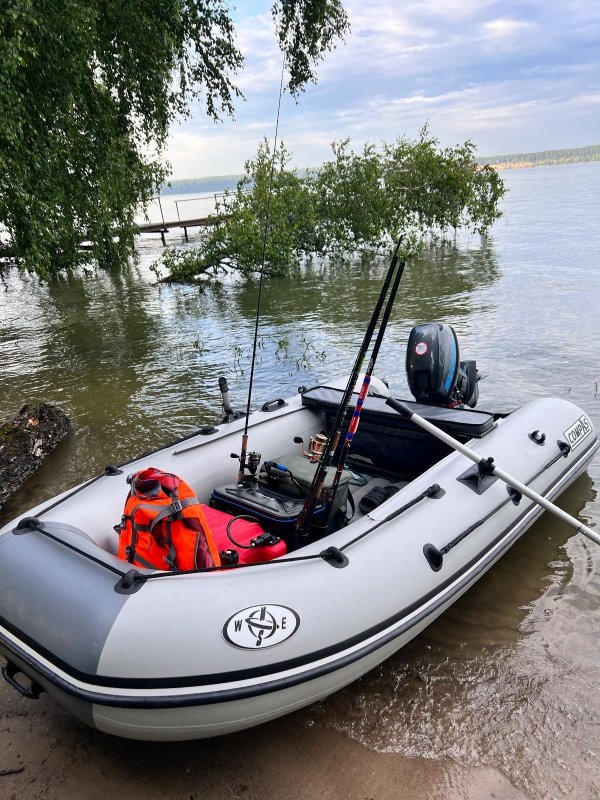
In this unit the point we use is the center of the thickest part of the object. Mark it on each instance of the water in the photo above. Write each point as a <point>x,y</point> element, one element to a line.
<point>507,678</point>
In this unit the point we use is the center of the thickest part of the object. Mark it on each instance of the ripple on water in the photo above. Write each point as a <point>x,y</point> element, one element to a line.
<point>505,679</point>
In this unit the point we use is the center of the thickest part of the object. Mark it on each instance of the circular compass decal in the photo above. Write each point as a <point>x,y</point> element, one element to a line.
<point>262,626</point>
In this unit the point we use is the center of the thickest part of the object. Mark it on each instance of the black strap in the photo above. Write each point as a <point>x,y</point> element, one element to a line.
<point>377,496</point>
<point>172,555</point>
<point>173,510</point>
<point>141,562</point>
<point>352,506</point>
<point>131,548</point>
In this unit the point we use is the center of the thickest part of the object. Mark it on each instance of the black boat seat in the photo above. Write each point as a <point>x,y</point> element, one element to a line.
<point>459,422</point>
<point>392,442</point>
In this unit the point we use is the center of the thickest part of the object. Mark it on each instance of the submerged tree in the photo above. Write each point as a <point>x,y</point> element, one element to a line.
<point>356,201</point>
<point>89,87</point>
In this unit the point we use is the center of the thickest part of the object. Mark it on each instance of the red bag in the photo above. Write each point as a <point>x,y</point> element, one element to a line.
<point>163,525</point>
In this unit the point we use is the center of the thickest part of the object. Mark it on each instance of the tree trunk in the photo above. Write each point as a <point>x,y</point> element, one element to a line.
<point>25,440</point>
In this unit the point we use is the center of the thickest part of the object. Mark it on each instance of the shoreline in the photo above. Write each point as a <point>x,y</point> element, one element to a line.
<point>48,755</point>
<point>502,165</point>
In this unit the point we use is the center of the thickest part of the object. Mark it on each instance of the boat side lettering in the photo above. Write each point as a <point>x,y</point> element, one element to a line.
<point>578,431</point>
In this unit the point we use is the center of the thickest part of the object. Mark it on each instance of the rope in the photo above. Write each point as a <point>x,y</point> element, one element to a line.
<point>458,539</point>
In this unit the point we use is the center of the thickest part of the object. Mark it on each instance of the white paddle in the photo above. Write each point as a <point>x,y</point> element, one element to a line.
<point>488,467</point>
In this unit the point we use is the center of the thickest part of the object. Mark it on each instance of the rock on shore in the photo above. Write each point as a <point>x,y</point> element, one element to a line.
<point>25,440</point>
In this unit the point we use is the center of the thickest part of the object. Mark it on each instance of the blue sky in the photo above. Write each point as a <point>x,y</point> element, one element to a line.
<point>510,76</point>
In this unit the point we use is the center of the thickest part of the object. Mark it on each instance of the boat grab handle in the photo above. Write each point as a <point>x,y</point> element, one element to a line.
<point>10,672</point>
<point>273,405</point>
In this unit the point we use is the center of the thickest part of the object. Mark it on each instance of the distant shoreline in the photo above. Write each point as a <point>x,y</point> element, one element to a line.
<point>568,155</point>
<point>501,165</point>
<point>573,155</point>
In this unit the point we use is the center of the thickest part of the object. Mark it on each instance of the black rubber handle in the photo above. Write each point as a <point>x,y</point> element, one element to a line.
<point>32,692</point>
<point>272,405</point>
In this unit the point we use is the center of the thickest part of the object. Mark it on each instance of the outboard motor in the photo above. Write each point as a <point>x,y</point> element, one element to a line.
<point>435,374</point>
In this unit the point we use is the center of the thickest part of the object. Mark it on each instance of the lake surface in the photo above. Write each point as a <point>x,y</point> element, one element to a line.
<point>508,677</point>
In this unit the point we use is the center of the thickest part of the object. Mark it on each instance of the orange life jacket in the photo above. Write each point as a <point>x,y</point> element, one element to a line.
<point>163,525</point>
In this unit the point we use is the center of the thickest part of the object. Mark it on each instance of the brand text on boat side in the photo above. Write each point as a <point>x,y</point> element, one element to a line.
<point>578,431</point>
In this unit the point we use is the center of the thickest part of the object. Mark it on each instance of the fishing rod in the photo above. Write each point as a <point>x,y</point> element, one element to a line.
<point>244,449</point>
<point>345,450</point>
<point>316,488</point>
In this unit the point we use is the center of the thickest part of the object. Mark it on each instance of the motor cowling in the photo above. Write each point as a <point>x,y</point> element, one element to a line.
<point>435,373</point>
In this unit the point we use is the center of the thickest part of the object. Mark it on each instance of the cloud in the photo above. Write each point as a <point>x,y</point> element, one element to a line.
<point>509,34</point>
<point>511,76</point>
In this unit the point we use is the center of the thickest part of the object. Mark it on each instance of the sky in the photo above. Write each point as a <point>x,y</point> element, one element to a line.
<point>509,76</point>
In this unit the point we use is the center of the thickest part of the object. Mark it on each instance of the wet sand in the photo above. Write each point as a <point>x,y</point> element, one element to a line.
<point>47,755</point>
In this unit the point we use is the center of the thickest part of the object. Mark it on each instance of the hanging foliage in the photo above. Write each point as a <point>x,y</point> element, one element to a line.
<point>88,88</point>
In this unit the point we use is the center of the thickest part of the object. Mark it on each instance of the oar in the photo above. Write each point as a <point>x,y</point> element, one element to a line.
<point>487,467</point>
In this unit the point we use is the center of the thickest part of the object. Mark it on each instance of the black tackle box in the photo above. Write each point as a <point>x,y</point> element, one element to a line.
<point>276,504</point>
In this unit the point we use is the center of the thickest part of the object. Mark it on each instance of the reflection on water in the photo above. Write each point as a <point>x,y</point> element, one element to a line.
<point>507,677</point>
<point>136,365</point>
<point>502,678</point>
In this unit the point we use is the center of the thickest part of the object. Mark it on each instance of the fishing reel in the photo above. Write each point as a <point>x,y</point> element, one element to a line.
<point>252,464</point>
<point>316,447</point>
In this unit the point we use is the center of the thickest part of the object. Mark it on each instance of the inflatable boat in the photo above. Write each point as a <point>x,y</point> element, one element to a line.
<point>289,616</point>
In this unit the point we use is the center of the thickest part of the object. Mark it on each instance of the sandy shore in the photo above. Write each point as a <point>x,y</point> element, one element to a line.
<point>47,755</point>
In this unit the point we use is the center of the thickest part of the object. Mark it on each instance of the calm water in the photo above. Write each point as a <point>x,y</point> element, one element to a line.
<point>508,677</point>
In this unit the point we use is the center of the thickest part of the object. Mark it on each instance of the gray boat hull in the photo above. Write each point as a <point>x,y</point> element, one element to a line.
<point>198,655</point>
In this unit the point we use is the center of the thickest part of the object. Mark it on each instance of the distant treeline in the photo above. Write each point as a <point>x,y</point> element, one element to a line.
<point>215,183</point>
<point>210,185</point>
<point>564,156</point>
<point>219,183</point>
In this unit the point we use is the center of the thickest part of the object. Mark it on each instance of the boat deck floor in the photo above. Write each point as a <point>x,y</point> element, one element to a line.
<point>365,499</point>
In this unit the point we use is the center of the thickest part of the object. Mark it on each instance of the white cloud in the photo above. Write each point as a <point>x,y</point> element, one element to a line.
<point>509,76</point>
<point>506,28</point>
<point>589,99</point>
<point>508,34</point>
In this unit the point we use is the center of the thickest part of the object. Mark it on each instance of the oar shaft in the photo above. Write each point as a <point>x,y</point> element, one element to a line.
<point>549,506</point>
<point>403,409</point>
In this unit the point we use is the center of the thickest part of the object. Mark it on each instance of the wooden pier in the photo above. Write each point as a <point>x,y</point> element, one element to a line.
<point>164,227</point>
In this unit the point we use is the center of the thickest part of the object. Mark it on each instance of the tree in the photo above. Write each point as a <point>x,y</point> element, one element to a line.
<point>89,87</point>
<point>356,201</point>
<point>236,233</point>
<point>437,190</point>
